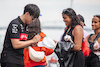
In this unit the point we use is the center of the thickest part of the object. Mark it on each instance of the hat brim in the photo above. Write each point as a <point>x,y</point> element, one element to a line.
<point>40,15</point>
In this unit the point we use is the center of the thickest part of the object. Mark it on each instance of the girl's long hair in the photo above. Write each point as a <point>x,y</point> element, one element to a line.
<point>34,28</point>
<point>72,14</point>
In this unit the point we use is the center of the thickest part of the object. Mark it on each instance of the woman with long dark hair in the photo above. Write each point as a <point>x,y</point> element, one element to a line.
<point>75,31</point>
<point>94,41</point>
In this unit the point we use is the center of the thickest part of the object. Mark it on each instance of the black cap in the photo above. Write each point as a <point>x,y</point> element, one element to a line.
<point>81,18</point>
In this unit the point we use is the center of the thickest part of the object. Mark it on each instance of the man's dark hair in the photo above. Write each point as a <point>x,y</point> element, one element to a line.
<point>71,13</point>
<point>32,9</point>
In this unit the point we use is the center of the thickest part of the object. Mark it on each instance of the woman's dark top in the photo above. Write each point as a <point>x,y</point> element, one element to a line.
<point>92,60</point>
<point>79,57</point>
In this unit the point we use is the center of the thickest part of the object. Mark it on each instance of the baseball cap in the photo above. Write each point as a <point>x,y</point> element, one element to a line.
<point>81,18</point>
<point>40,15</point>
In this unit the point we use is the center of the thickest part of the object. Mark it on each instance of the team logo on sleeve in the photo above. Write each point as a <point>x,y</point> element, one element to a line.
<point>14,28</point>
<point>23,36</point>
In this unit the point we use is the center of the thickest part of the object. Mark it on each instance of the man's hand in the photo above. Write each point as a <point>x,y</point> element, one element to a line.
<point>36,38</point>
<point>34,45</point>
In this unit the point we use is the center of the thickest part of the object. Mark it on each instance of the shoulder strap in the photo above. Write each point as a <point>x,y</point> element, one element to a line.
<point>97,36</point>
<point>89,37</point>
<point>66,30</point>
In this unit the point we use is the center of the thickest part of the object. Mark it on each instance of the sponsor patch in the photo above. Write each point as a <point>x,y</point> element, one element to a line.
<point>23,36</point>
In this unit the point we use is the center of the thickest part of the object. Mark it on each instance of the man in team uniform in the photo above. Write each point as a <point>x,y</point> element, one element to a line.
<point>16,36</point>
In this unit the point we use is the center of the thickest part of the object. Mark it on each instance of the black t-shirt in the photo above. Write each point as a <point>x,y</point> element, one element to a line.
<point>16,30</point>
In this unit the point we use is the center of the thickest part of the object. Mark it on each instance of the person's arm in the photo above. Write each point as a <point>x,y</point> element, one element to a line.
<point>78,36</point>
<point>14,31</point>
<point>16,43</point>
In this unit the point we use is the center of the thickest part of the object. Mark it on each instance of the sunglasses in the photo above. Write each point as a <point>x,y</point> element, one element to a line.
<point>66,11</point>
<point>33,18</point>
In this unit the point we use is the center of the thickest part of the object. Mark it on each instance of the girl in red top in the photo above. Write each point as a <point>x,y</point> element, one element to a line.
<point>35,28</point>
